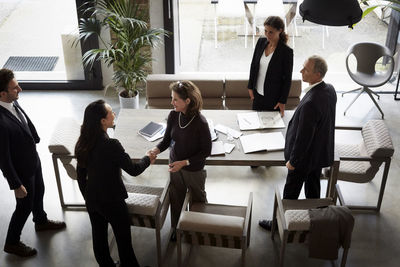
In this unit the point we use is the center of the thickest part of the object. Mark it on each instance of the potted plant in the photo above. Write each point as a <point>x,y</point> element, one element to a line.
<point>393,4</point>
<point>129,51</point>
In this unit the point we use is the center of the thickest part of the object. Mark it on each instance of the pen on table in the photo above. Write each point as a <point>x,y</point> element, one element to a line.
<point>247,121</point>
<point>163,130</point>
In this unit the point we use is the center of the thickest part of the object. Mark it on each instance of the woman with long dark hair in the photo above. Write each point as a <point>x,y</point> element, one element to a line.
<point>100,160</point>
<point>271,68</point>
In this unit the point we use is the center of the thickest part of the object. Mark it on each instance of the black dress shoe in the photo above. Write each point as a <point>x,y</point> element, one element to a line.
<point>254,167</point>
<point>266,224</point>
<point>20,249</point>
<point>49,225</point>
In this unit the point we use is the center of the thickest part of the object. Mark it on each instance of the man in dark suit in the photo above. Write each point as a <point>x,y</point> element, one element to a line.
<point>20,164</point>
<point>310,135</point>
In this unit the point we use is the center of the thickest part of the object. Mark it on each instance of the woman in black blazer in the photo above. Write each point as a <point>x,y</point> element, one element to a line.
<point>271,68</point>
<point>100,160</point>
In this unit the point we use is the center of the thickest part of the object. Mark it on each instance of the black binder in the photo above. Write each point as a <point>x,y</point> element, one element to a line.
<point>150,129</point>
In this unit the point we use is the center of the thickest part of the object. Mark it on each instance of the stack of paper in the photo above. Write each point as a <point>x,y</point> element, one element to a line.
<point>262,141</point>
<point>260,120</point>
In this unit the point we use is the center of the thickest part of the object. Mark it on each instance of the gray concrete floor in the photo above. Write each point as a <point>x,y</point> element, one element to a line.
<point>375,237</point>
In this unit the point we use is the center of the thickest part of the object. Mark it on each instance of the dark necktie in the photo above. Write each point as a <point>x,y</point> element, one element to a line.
<point>21,118</point>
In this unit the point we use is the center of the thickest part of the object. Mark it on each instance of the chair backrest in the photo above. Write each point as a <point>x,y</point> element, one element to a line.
<point>377,140</point>
<point>62,143</point>
<point>367,55</point>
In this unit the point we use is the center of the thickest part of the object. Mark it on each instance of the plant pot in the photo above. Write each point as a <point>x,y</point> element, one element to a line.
<point>129,102</point>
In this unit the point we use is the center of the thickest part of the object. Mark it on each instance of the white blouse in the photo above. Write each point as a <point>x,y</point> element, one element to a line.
<point>262,72</point>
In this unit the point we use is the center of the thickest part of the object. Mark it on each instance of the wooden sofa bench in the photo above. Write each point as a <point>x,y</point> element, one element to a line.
<point>237,95</point>
<point>219,91</point>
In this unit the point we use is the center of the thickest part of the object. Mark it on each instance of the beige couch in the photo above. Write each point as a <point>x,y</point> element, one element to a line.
<point>237,95</point>
<point>210,85</point>
<point>214,87</point>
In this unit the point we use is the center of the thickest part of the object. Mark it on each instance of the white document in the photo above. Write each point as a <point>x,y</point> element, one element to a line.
<point>217,148</point>
<point>225,130</point>
<point>229,147</point>
<point>262,141</point>
<point>158,135</point>
<point>260,120</point>
<point>212,130</point>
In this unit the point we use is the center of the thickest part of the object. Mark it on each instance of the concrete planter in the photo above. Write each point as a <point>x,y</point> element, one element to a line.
<point>129,102</point>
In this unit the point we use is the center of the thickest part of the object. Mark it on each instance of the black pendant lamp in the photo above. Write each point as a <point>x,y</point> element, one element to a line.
<point>331,12</point>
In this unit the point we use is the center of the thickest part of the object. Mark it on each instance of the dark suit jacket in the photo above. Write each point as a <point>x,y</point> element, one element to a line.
<point>101,180</point>
<point>310,134</point>
<point>18,156</point>
<point>279,73</point>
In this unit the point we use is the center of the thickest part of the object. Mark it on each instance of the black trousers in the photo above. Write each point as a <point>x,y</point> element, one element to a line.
<point>295,180</point>
<point>33,202</point>
<point>262,103</point>
<point>115,213</point>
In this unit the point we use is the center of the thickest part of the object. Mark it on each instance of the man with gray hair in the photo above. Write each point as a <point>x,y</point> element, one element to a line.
<point>310,135</point>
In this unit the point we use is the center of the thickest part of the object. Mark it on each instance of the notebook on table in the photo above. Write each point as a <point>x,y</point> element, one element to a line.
<point>150,129</point>
<point>260,120</point>
<point>262,141</point>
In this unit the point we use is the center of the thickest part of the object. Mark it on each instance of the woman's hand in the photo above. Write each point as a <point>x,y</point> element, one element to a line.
<point>152,156</point>
<point>177,165</point>
<point>155,151</point>
<point>281,108</point>
<point>20,192</point>
<point>251,94</point>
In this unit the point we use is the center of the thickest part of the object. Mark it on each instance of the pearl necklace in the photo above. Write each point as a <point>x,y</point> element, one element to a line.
<point>179,120</point>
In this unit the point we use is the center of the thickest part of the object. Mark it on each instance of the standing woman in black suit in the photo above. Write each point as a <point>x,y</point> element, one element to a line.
<point>100,160</point>
<point>271,68</point>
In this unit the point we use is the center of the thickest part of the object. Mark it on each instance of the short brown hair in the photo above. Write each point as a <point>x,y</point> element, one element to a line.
<point>185,90</point>
<point>6,76</point>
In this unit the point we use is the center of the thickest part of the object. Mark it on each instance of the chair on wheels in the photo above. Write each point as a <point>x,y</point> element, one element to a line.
<point>292,219</point>
<point>214,225</point>
<point>359,163</point>
<point>148,207</point>
<point>366,74</point>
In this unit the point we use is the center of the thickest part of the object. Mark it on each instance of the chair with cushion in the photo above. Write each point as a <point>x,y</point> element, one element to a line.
<point>375,66</point>
<point>62,146</point>
<point>359,163</point>
<point>292,219</point>
<point>148,207</point>
<point>214,225</point>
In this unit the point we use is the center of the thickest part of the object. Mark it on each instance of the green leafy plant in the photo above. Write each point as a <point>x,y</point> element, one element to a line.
<point>393,4</point>
<point>129,50</point>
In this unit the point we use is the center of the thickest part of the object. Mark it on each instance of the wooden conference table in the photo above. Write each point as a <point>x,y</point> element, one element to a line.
<point>130,121</point>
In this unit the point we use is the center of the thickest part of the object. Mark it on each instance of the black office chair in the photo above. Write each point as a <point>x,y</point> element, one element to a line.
<point>366,75</point>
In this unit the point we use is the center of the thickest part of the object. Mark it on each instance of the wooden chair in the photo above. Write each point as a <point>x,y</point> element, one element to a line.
<point>148,207</point>
<point>214,225</point>
<point>292,219</point>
